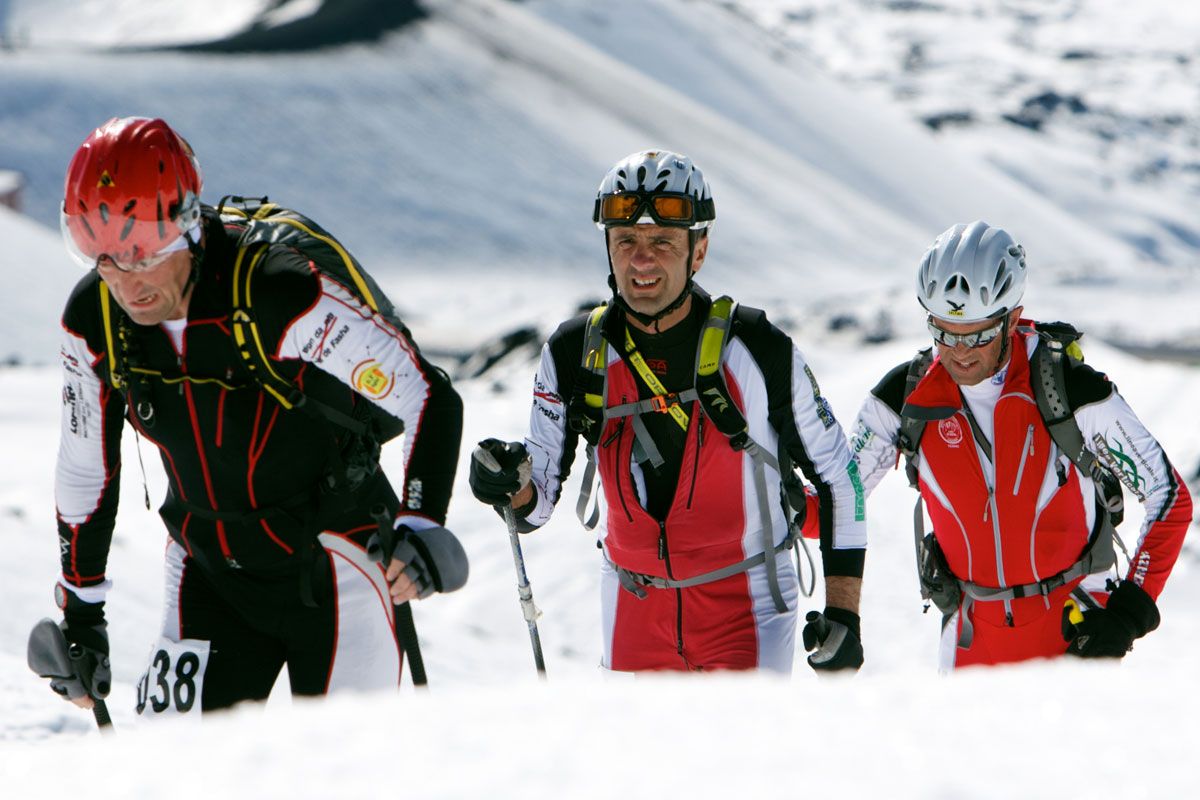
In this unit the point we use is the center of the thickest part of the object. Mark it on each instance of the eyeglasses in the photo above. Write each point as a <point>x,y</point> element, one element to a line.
<point>973,339</point>
<point>674,209</point>
<point>145,265</point>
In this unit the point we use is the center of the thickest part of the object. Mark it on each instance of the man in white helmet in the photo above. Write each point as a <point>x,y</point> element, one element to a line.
<point>688,406</point>
<point>1019,452</point>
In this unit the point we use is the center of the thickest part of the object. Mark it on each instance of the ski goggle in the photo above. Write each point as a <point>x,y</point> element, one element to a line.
<point>973,339</point>
<point>672,209</point>
<point>98,240</point>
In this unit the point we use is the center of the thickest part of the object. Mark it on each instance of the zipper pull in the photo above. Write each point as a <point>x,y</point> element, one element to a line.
<point>662,541</point>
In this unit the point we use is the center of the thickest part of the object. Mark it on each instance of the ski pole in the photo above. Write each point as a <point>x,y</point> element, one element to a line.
<point>49,655</point>
<point>525,592</point>
<point>406,629</point>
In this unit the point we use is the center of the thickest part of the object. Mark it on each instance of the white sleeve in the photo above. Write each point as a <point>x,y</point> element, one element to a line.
<point>874,441</point>
<point>547,440</point>
<point>342,336</point>
<point>828,457</point>
<point>1118,438</point>
<point>81,474</point>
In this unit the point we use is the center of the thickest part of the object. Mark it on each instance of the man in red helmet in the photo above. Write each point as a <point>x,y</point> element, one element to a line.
<point>272,477</point>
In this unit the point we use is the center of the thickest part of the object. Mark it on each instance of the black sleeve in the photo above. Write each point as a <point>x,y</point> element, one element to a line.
<point>776,356</point>
<point>891,387</point>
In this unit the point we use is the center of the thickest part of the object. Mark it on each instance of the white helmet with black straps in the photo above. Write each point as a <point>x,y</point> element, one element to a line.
<point>972,273</point>
<point>654,187</point>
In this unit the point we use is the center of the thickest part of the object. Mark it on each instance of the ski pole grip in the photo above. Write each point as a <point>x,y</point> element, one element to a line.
<point>387,533</point>
<point>1074,615</point>
<point>821,625</point>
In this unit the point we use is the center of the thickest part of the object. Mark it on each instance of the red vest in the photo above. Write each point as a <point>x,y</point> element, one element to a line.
<point>1013,538</point>
<point>707,520</point>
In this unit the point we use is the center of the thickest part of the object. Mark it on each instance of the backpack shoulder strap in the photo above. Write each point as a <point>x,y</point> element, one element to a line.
<point>115,366</point>
<point>250,346</point>
<point>1058,343</point>
<point>585,409</point>
<point>912,424</point>
<point>712,393</point>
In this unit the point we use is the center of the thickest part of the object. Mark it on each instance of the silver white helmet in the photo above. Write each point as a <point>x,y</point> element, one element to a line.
<point>654,187</point>
<point>972,273</point>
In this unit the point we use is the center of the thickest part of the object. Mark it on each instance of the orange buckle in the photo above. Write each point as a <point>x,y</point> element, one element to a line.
<point>662,402</point>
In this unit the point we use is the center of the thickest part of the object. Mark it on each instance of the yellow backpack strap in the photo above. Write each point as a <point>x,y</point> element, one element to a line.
<point>716,331</point>
<point>710,383</point>
<point>245,331</point>
<point>663,401</point>
<point>110,342</point>
<point>254,355</point>
<point>595,356</point>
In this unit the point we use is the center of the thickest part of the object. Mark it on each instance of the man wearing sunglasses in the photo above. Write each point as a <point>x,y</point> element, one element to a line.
<point>1022,499</point>
<point>696,573</point>
<point>269,506</point>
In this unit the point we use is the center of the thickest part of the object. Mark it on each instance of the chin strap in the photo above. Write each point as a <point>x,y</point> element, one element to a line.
<point>653,319</point>
<point>197,251</point>
<point>1002,359</point>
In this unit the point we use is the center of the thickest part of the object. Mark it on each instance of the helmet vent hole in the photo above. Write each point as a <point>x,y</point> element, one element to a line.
<point>983,295</point>
<point>953,283</point>
<point>128,228</point>
<point>104,213</point>
<point>641,175</point>
<point>664,174</point>
<point>129,206</point>
<point>1004,286</point>
<point>662,186</point>
<point>162,167</point>
<point>999,273</point>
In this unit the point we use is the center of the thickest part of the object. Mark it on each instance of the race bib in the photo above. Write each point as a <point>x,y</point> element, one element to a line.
<point>175,679</point>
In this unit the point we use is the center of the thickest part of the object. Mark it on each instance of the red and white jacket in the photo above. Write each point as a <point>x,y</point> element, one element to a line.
<point>714,519</point>
<point>1028,513</point>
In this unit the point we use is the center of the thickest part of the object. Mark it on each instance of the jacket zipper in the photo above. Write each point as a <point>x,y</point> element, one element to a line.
<point>664,554</point>
<point>1026,452</point>
<point>621,468</point>
<point>696,462</point>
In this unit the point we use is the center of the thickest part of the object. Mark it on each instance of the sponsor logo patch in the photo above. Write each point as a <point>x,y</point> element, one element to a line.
<point>370,379</point>
<point>951,431</point>
<point>824,411</point>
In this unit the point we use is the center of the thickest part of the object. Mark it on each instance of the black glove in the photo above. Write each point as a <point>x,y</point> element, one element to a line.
<point>1109,632</point>
<point>499,470</point>
<point>836,637</point>
<point>434,559</point>
<point>77,664</point>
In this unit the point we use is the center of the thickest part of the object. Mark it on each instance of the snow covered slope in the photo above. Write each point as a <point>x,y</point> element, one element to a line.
<point>473,141</point>
<point>1091,104</point>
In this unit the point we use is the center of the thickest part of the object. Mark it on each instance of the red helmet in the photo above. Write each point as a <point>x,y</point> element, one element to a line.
<point>132,191</point>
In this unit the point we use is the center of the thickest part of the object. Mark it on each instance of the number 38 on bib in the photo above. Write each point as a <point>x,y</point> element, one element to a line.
<point>174,682</point>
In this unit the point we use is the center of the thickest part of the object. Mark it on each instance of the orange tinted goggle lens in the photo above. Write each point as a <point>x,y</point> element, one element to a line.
<point>628,207</point>
<point>679,208</point>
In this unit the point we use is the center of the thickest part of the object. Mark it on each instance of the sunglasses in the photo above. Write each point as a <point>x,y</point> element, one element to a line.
<point>665,208</point>
<point>972,339</point>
